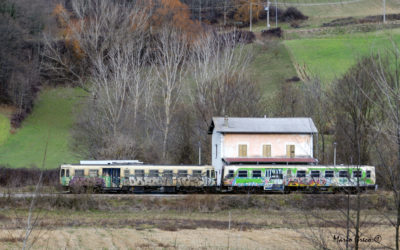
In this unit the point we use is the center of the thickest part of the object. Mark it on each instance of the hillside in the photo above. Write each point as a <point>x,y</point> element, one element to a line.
<point>330,57</point>
<point>52,118</point>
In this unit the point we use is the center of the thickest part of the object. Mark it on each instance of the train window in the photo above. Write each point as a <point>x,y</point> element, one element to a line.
<point>242,173</point>
<point>79,173</point>
<point>154,173</point>
<point>343,174</point>
<point>67,173</point>
<point>139,173</point>
<point>301,173</point>
<point>126,173</point>
<point>329,174</point>
<point>167,173</point>
<point>231,173</point>
<point>212,174</point>
<point>196,173</point>
<point>357,174</point>
<point>182,173</point>
<point>93,173</point>
<point>368,174</point>
<point>256,173</point>
<point>62,172</point>
<point>289,172</point>
<point>314,173</point>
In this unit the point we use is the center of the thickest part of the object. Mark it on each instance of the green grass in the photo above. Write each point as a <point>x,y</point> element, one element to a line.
<point>52,118</point>
<point>331,57</point>
<point>4,128</point>
<point>271,66</point>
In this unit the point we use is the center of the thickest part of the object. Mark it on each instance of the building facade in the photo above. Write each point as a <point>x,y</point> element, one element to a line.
<point>261,141</point>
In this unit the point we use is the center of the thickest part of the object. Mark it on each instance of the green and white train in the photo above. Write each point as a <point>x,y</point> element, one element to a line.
<point>133,176</point>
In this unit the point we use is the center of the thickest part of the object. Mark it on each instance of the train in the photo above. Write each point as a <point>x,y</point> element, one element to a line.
<point>136,177</point>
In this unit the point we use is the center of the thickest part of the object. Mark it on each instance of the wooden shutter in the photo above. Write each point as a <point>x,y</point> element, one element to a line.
<point>288,151</point>
<point>292,151</point>
<point>242,150</point>
<point>266,150</point>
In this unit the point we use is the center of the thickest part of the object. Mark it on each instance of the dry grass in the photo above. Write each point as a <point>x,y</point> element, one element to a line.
<point>127,238</point>
<point>198,221</point>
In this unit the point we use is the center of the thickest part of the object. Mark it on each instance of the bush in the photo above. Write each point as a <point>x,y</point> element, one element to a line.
<point>291,14</point>
<point>19,177</point>
<point>242,36</point>
<point>276,32</point>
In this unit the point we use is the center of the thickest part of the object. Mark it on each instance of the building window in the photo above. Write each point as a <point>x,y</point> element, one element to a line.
<point>216,151</point>
<point>242,150</point>
<point>290,151</point>
<point>167,173</point>
<point>154,173</point>
<point>314,173</point>
<point>266,151</point>
<point>139,173</point>
<point>196,173</point>
<point>368,174</point>
<point>357,174</point>
<point>242,173</point>
<point>182,173</point>
<point>93,173</point>
<point>301,173</point>
<point>231,173</point>
<point>343,174</point>
<point>79,173</point>
<point>329,174</point>
<point>256,173</point>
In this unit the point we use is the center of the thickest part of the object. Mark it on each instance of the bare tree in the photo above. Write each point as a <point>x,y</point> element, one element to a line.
<point>386,79</point>
<point>88,32</point>
<point>222,81</point>
<point>170,68</point>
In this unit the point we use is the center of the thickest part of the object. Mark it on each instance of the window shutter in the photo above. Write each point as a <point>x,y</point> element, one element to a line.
<point>242,150</point>
<point>292,151</point>
<point>288,151</point>
<point>266,150</point>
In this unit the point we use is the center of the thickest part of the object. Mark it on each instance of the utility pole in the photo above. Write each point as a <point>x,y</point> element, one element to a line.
<point>267,9</point>
<point>200,11</point>
<point>334,153</point>
<point>199,153</point>
<point>276,15</point>
<point>224,12</point>
<point>251,15</point>
<point>384,11</point>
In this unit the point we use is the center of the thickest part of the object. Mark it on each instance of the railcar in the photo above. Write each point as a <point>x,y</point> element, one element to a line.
<point>137,177</point>
<point>298,177</point>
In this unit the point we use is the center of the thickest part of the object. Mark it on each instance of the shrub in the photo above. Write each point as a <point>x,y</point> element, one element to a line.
<point>291,14</point>
<point>276,32</point>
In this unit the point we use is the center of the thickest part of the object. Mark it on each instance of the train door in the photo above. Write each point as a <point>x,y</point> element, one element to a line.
<point>65,176</point>
<point>274,180</point>
<point>112,177</point>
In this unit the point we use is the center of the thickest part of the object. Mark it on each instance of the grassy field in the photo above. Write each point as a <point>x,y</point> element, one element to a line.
<point>52,118</point>
<point>331,57</point>
<point>272,65</point>
<point>4,128</point>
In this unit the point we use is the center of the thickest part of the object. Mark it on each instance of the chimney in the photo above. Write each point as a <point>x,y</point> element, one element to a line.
<point>226,121</point>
